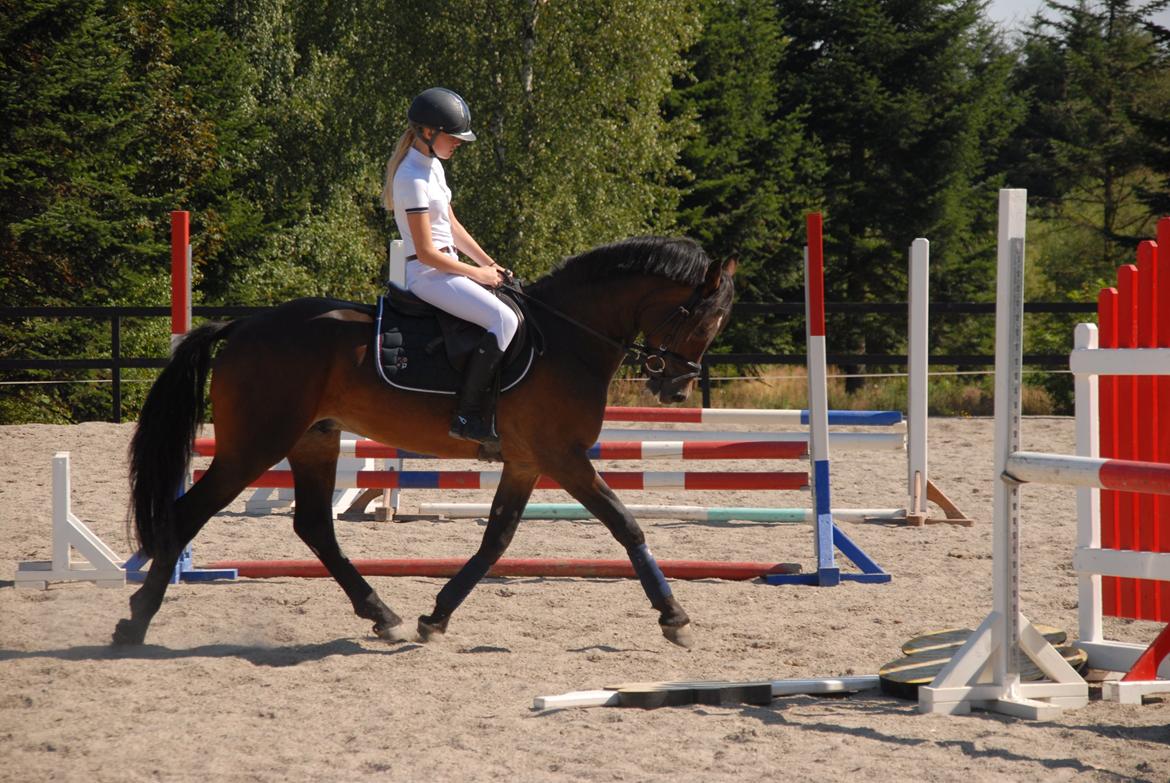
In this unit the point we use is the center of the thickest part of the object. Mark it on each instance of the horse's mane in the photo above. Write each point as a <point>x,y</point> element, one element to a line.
<point>675,258</point>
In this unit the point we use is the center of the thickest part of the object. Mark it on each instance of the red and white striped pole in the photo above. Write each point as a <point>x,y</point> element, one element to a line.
<point>1116,474</point>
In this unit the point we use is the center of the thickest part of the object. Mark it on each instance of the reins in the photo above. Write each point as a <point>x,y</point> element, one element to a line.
<point>653,359</point>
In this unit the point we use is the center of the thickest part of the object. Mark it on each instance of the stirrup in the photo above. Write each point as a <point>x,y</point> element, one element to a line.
<point>472,428</point>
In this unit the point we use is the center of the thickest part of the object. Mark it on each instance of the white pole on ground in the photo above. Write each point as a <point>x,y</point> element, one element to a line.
<point>611,697</point>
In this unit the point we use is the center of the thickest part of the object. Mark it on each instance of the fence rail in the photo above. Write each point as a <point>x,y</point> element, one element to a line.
<point>115,362</point>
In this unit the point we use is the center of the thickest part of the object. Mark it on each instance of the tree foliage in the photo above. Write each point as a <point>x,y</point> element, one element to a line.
<point>1093,148</point>
<point>749,172</point>
<point>728,120</point>
<point>909,104</point>
<point>566,97</point>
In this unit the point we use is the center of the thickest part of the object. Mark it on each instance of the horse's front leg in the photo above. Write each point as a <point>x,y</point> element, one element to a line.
<point>580,480</point>
<point>516,484</point>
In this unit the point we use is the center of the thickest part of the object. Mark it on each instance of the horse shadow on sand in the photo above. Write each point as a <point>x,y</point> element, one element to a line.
<point>257,655</point>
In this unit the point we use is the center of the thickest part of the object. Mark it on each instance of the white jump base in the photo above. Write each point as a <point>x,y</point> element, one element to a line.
<point>271,500</point>
<point>100,565</point>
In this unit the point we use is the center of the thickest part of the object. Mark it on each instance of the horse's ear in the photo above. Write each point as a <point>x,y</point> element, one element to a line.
<point>715,275</point>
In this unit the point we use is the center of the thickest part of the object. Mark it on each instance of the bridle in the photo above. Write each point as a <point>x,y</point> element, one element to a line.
<point>654,360</point>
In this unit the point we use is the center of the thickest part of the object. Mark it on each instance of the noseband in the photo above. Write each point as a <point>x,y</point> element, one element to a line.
<point>654,359</point>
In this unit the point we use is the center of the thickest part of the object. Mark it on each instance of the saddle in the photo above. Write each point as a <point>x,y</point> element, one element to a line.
<point>424,349</point>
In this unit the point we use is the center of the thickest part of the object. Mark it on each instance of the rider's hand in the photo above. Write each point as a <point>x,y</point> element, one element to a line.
<point>491,276</point>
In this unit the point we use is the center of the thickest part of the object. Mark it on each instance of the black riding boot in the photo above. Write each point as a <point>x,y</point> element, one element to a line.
<point>475,412</point>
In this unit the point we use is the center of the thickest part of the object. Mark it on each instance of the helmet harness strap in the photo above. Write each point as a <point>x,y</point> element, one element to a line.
<point>418,131</point>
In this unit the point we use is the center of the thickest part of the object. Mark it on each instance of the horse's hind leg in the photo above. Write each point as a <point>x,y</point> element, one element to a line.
<point>212,492</point>
<point>314,466</point>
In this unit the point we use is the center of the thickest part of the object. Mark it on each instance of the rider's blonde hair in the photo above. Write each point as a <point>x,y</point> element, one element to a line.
<point>400,150</point>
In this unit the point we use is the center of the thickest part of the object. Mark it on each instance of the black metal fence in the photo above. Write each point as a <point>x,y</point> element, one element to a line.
<point>115,362</point>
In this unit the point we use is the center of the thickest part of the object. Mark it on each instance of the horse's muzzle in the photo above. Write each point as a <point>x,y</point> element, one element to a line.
<point>669,392</point>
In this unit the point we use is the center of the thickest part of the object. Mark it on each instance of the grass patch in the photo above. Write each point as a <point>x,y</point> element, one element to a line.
<point>949,395</point>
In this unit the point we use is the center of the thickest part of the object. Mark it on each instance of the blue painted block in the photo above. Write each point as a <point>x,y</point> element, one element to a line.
<point>860,418</point>
<point>419,479</point>
<point>791,579</point>
<point>185,570</point>
<point>881,578</point>
<point>855,553</point>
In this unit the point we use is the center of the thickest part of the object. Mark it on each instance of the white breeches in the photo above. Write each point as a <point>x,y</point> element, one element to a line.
<point>463,298</point>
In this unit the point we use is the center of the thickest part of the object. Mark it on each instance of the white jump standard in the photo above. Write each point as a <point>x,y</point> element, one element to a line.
<point>985,672</point>
<point>101,566</point>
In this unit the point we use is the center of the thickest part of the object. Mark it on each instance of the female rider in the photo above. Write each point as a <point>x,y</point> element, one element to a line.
<point>415,189</point>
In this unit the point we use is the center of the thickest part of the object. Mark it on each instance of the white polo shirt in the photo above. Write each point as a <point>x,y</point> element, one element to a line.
<point>419,186</point>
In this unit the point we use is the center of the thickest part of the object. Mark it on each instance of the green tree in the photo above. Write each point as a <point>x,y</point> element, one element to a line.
<point>69,210</point>
<point>1100,86</point>
<point>750,172</point>
<point>910,104</point>
<point>574,149</point>
<point>321,230</point>
<point>116,113</point>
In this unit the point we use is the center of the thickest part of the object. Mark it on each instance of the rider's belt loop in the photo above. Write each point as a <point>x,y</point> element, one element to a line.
<point>449,250</point>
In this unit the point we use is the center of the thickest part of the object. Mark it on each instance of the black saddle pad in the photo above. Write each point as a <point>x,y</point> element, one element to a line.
<point>421,348</point>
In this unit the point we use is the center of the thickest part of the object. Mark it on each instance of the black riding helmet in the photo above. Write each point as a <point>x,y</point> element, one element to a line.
<point>443,110</point>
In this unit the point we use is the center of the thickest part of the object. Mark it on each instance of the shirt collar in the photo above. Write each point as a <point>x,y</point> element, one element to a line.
<point>420,157</point>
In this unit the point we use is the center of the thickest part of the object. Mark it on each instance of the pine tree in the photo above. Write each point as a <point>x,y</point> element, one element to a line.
<point>69,210</point>
<point>909,102</point>
<point>115,114</point>
<point>1100,88</point>
<point>750,170</point>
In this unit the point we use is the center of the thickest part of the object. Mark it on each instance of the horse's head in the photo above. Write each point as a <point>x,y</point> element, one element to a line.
<point>678,342</point>
<point>666,289</point>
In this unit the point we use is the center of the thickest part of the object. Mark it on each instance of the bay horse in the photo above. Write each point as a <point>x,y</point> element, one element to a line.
<point>284,383</point>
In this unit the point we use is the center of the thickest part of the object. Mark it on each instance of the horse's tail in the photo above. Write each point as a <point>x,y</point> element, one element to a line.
<point>165,437</point>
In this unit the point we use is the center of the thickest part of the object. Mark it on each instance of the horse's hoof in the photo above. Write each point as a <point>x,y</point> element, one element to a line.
<point>430,631</point>
<point>679,634</point>
<point>395,633</point>
<point>127,632</point>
